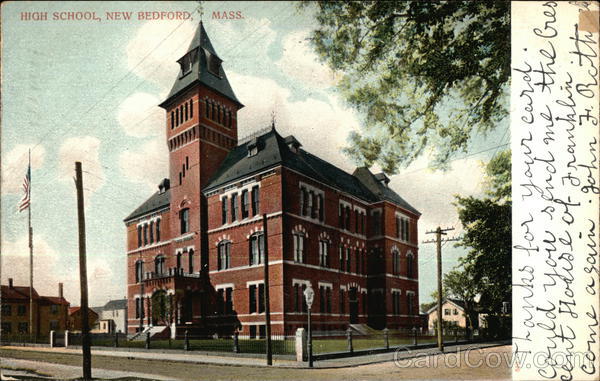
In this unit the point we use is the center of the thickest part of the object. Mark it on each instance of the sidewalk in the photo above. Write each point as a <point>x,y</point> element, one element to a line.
<point>217,359</point>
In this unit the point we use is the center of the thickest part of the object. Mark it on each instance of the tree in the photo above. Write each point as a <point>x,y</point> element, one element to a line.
<point>487,236</point>
<point>423,74</point>
<point>459,284</point>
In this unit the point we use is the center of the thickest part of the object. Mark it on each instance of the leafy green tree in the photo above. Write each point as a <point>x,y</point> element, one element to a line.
<point>459,284</point>
<point>423,74</point>
<point>487,236</point>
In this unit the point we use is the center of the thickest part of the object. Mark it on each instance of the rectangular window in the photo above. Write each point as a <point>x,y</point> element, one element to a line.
<point>255,201</point>
<point>184,220</point>
<point>234,207</point>
<point>151,231</point>
<point>322,299</point>
<point>261,298</point>
<point>311,212</point>
<point>342,262</point>
<point>296,298</point>
<point>376,222</point>
<point>252,298</point>
<point>191,108</point>
<point>324,253</point>
<point>410,303</point>
<point>145,234</point>
<point>321,206</point>
<point>406,231</point>
<point>54,325</point>
<point>356,221</point>
<point>21,310</point>
<point>224,255</point>
<point>220,301</point>
<point>224,210</point>
<point>245,204</point>
<point>342,301</point>
<point>341,216</point>
<point>252,330</point>
<point>399,225</point>
<point>172,120</point>
<point>304,305</point>
<point>303,201</point>
<point>348,256</point>
<point>54,309</point>
<point>6,328</point>
<point>137,308</point>
<point>348,214</point>
<point>23,327</point>
<point>139,231</point>
<point>6,310</point>
<point>158,230</point>
<point>328,300</point>
<point>446,312</point>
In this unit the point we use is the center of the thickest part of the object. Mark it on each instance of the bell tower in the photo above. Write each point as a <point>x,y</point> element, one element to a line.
<point>201,129</point>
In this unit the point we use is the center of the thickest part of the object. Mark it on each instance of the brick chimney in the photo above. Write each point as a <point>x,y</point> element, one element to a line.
<point>10,282</point>
<point>60,290</point>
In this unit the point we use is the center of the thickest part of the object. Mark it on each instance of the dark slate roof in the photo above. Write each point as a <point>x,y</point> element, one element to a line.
<point>157,201</point>
<point>373,182</point>
<point>200,73</point>
<point>274,151</point>
<point>118,304</point>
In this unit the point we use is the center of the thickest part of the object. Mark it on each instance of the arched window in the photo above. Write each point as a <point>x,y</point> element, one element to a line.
<point>224,255</point>
<point>395,262</point>
<point>139,271</point>
<point>191,261</point>
<point>159,265</point>
<point>257,249</point>
<point>409,265</point>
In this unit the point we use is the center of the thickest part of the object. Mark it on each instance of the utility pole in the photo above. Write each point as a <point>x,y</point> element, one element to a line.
<point>438,241</point>
<point>266,293</point>
<point>85,325</point>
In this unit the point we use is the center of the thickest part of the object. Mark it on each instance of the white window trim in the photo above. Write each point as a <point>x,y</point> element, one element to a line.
<point>325,285</point>
<point>360,209</point>
<point>238,190</point>
<point>301,282</point>
<point>343,288</point>
<point>224,286</point>
<point>312,188</point>
<point>399,291</point>
<point>373,211</point>
<point>344,203</point>
<point>254,282</point>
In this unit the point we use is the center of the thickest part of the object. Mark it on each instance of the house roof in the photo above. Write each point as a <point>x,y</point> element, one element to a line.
<point>200,49</point>
<point>457,302</point>
<point>117,304</point>
<point>56,300</point>
<point>274,150</point>
<point>156,202</point>
<point>375,184</point>
<point>18,292</point>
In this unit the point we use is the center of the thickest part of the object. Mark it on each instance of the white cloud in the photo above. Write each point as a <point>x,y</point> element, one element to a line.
<point>51,268</point>
<point>306,120</point>
<point>301,62</point>
<point>140,116</point>
<point>153,51</point>
<point>85,149</point>
<point>14,166</point>
<point>432,192</point>
<point>148,165</point>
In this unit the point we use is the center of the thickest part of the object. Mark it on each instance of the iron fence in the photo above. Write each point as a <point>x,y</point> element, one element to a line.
<point>23,338</point>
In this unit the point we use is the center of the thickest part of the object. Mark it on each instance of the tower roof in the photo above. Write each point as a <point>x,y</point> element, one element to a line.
<point>201,65</point>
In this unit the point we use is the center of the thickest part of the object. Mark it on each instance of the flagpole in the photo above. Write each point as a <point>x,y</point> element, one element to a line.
<point>30,255</point>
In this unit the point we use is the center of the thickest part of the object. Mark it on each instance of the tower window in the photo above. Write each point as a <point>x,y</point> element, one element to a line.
<point>185,108</point>
<point>214,64</point>
<point>206,108</point>
<point>187,163</point>
<point>172,120</point>
<point>191,108</point>
<point>184,220</point>
<point>176,117</point>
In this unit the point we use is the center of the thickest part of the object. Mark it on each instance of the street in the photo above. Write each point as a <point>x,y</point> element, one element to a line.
<point>492,361</point>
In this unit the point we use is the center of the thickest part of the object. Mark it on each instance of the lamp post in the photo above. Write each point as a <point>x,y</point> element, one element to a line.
<point>309,295</point>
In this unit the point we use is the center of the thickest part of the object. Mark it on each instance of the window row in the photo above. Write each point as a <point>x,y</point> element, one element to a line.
<point>256,252</point>
<point>182,113</point>
<point>218,113</point>
<point>7,310</point>
<point>22,327</point>
<point>159,266</point>
<point>396,264</point>
<point>184,138</point>
<point>360,219</point>
<point>248,204</point>
<point>402,228</point>
<point>311,204</point>
<point>217,137</point>
<point>148,233</point>
<point>348,300</point>
<point>345,258</point>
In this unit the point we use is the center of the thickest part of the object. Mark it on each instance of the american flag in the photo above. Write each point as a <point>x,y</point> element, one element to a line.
<point>26,200</point>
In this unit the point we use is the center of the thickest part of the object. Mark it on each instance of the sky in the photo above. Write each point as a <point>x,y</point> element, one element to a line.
<point>88,90</point>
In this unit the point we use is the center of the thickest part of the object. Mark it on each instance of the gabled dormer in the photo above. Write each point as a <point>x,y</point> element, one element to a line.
<point>201,65</point>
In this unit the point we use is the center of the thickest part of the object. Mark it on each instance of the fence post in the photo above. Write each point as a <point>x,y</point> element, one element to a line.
<point>349,339</point>
<point>52,339</point>
<point>147,340</point>
<point>386,338</point>
<point>301,345</point>
<point>236,342</point>
<point>186,341</point>
<point>66,338</point>
<point>415,336</point>
<point>116,339</point>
